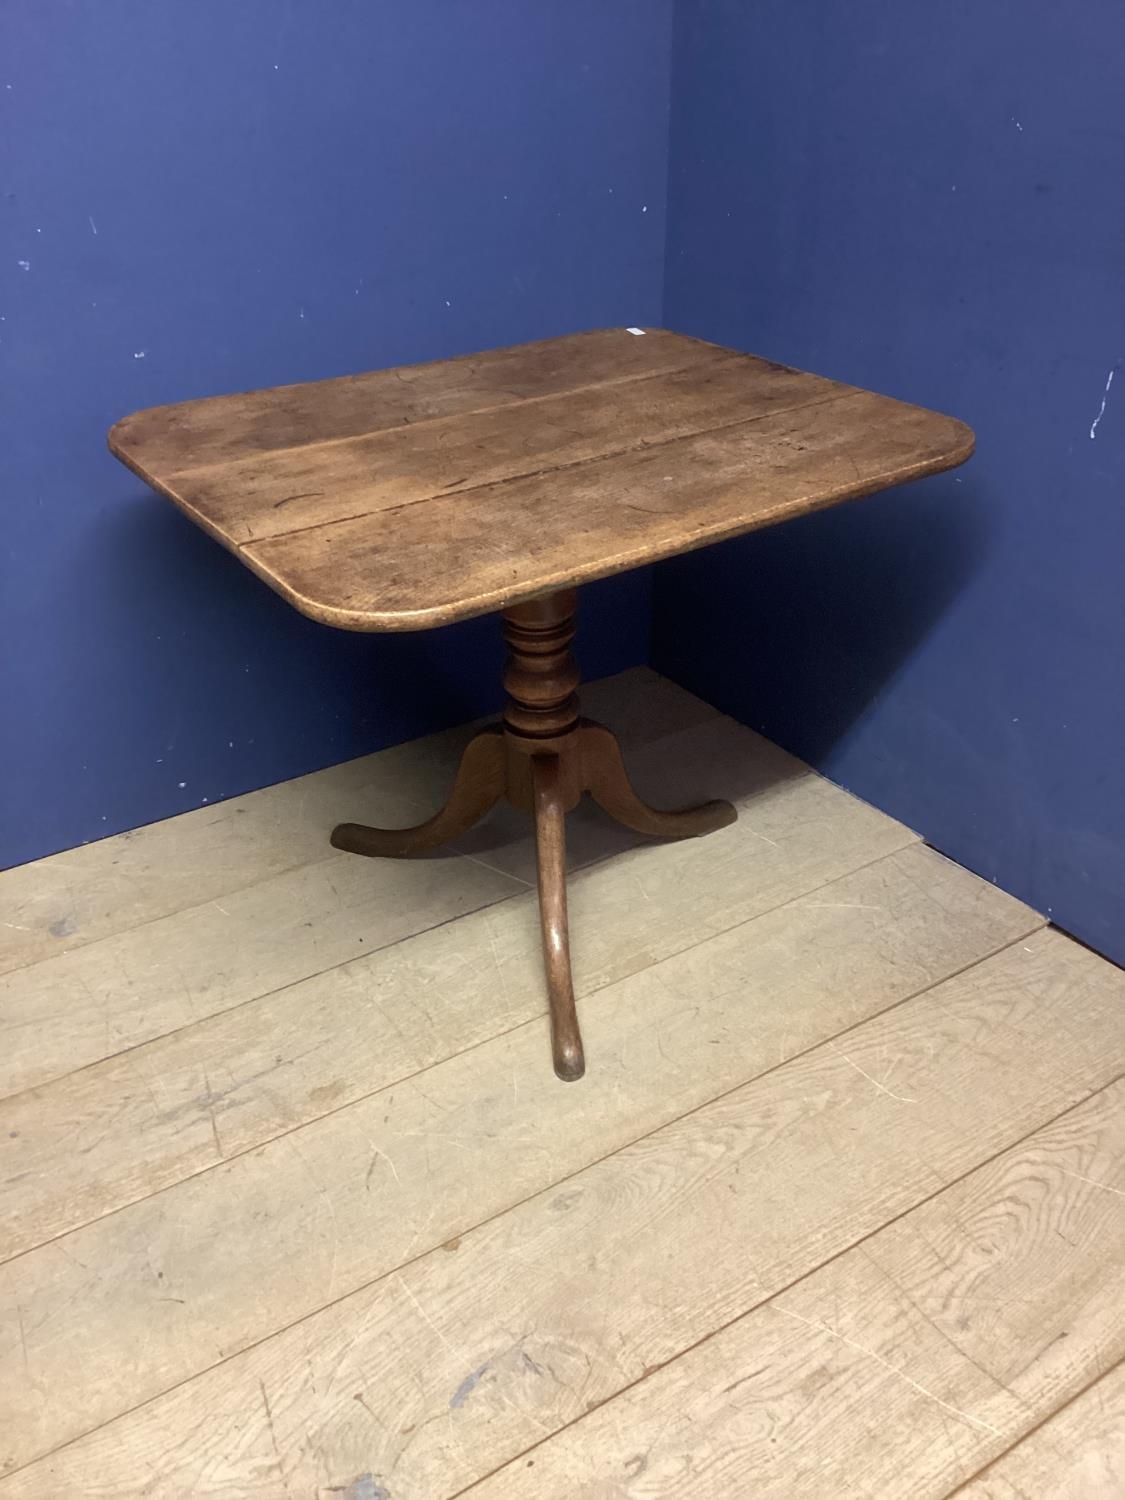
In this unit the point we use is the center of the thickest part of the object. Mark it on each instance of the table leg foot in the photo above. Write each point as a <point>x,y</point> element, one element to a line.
<point>607,782</point>
<point>478,785</point>
<point>550,852</point>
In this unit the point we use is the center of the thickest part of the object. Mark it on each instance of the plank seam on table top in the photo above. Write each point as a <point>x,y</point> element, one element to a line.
<point>719,359</point>
<point>782,1291</point>
<point>241,549</point>
<point>398,371</point>
<point>371,620</point>
<point>551,469</point>
<point>504,1031</point>
<point>566,1177</point>
<point>1042,1422</point>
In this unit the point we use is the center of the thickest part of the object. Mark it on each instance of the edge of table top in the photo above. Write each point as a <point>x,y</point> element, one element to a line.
<point>268,558</point>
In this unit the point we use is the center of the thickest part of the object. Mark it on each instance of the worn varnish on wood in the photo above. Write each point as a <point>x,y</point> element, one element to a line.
<point>414,497</point>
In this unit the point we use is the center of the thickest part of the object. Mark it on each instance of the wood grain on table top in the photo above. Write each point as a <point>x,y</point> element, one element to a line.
<point>407,498</point>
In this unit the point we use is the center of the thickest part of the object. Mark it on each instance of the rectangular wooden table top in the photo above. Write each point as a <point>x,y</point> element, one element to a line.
<point>412,497</point>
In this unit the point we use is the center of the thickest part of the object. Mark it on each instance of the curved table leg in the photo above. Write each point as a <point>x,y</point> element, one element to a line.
<point>608,783</point>
<point>550,854</point>
<point>478,785</point>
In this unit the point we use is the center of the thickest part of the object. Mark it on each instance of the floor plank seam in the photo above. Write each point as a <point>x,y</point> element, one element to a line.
<point>509,1208</point>
<point>225,894</point>
<point>1039,1423</point>
<point>462,732</point>
<point>487,1041</point>
<point>106,937</point>
<point>237,890</point>
<point>436,926</point>
<point>782,1291</point>
<point>266,994</point>
<point>476,859</point>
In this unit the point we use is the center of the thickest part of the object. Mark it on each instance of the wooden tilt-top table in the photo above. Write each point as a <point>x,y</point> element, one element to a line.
<point>408,498</point>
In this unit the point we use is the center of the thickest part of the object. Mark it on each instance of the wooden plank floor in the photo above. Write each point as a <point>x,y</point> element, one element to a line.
<point>291,1204</point>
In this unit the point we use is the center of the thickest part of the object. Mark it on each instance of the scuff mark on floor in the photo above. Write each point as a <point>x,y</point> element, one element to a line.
<point>468,1385</point>
<point>362,1487</point>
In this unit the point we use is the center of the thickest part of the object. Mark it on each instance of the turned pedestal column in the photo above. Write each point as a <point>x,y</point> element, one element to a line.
<point>543,757</point>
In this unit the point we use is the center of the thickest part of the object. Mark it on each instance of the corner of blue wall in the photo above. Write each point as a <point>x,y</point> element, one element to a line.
<point>871,193</point>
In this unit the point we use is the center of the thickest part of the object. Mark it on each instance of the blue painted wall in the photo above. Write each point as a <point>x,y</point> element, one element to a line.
<point>927,200</point>
<point>198,196</point>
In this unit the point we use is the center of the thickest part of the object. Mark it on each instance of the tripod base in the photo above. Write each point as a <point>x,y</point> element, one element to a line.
<point>543,758</point>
